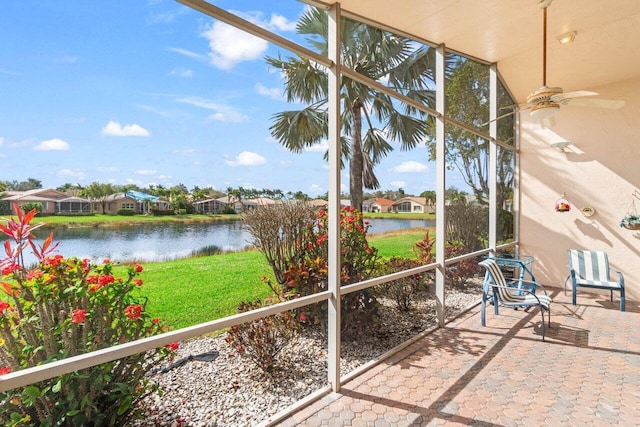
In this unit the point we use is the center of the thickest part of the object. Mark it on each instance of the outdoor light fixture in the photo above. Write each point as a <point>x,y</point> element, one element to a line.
<point>544,110</point>
<point>567,37</point>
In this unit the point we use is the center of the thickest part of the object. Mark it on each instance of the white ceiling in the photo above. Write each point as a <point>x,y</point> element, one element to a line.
<point>509,32</point>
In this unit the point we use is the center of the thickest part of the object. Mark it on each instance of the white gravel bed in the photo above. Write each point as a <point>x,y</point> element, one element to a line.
<point>231,391</point>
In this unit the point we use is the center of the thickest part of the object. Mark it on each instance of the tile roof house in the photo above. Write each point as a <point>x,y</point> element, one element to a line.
<point>378,204</point>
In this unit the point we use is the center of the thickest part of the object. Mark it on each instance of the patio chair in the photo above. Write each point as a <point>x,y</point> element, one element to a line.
<point>590,269</point>
<point>514,297</point>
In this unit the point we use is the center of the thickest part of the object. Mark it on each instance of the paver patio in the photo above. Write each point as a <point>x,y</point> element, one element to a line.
<point>586,373</point>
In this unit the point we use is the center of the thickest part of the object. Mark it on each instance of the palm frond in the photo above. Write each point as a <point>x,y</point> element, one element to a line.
<point>408,130</point>
<point>369,179</point>
<point>296,130</point>
<point>375,144</point>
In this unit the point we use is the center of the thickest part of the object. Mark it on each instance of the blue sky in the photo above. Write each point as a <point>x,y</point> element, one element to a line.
<point>152,92</point>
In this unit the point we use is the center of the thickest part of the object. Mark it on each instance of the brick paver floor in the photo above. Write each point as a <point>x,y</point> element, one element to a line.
<point>586,373</point>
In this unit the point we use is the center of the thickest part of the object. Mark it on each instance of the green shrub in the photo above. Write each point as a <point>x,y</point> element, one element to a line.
<point>32,205</point>
<point>126,212</point>
<point>404,290</point>
<point>64,307</point>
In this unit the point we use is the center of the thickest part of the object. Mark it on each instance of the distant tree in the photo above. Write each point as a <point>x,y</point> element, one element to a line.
<point>299,195</point>
<point>3,186</point>
<point>429,195</point>
<point>99,192</point>
<point>29,184</point>
<point>70,189</point>
<point>198,193</point>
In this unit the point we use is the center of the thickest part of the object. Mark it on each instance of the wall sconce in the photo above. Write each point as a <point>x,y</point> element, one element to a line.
<point>562,204</point>
<point>567,37</point>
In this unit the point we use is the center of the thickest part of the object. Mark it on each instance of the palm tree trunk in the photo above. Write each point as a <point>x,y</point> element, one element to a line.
<point>356,162</point>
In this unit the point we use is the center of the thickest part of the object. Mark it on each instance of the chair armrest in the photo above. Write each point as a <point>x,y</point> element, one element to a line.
<point>529,282</point>
<point>620,278</point>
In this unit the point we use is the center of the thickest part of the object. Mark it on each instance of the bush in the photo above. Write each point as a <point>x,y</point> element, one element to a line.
<point>404,290</point>
<point>280,233</point>
<point>162,212</point>
<point>64,307</point>
<point>32,205</point>
<point>126,212</point>
<point>459,273</point>
<point>262,339</point>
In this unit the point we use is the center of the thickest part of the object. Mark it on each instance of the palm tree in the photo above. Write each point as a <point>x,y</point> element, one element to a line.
<point>406,66</point>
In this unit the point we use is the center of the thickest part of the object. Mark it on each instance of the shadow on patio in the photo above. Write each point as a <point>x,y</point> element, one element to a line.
<point>586,373</point>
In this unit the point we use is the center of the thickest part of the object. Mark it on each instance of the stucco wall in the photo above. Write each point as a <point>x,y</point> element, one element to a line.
<point>601,169</point>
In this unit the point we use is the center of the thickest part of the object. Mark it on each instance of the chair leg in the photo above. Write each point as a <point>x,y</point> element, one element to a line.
<point>543,326</point>
<point>622,307</point>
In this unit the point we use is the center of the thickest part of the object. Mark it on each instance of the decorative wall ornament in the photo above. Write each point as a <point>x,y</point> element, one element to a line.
<point>562,204</point>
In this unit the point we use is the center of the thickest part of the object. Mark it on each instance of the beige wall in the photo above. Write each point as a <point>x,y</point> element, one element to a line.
<point>601,169</point>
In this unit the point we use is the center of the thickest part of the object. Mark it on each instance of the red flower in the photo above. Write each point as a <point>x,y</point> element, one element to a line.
<point>78,315</point>
<point>133,311</point>
<point>10,269</point>
<point>106,261</point>
<point>5,370</point>
<point>105,280</point>
<point>173,346</point>
<point>303,318</point>
<point>137,282</point>
<point>137,268</point>
<point>3,306</point>
<point>156,320</point>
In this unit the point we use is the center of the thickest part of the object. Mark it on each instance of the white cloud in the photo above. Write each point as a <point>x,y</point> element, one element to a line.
<point>316,189</point>
<point>230,46</point>
<point>115,129</point>
<point>2,156</point>
<point>410,167</point>
<point>399,184</point>
<point>223,113</point>
<point>72,173</point>
<point>187,53</point>
<point>54,144</point>
<point>145,172</point>
<point>181,72</point>
<point>320,147</point>
<point>1,141</point>
<point>184,151</point>
<point>164,177</point>
<point>107,169</point>
<point>247,158</point>
<point>275,93</point>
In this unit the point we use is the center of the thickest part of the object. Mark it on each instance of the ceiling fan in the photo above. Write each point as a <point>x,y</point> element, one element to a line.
<point>545,102</point>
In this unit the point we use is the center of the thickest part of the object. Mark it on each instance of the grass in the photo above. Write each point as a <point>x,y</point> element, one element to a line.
<point>196,290</point>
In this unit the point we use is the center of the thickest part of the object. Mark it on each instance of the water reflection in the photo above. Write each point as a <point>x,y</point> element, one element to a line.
<point>157,242</point>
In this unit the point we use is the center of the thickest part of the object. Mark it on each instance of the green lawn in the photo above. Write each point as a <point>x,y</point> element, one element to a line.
<point>196,290</point>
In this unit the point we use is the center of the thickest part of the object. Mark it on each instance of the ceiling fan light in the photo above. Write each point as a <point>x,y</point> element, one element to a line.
<point>567,37</point>
<point>544,111</point>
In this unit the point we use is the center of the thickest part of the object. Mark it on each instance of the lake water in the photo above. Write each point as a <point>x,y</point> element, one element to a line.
<point>158,242</point>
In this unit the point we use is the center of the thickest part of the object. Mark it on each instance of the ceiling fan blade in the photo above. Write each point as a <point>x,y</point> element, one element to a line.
<point>577,94</point>
<point>612,104</point>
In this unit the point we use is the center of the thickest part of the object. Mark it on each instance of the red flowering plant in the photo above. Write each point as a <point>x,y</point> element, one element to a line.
<point>62,307</point>
<point>358,262</point>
